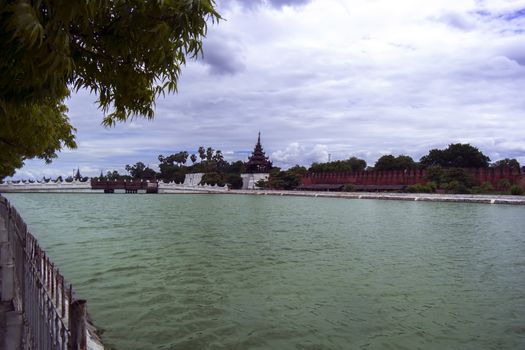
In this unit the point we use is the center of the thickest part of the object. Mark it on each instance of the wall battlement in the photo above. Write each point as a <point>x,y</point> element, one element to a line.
<point>410,177</point>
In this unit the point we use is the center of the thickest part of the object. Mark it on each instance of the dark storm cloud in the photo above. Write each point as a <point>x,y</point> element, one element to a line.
<point>281,3</point>
<point>515,51</point>
<point>223,56</point>
<point>482,13</point>
<point>250,4</point>
<point>456,20</point>
<point>514,15</point>
<point>504,13</point>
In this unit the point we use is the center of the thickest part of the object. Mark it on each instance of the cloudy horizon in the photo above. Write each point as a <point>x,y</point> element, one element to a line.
<point>328,77</point>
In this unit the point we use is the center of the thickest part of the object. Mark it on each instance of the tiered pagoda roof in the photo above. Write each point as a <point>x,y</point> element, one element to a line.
<point>258,161</point>
<point>78,177</point>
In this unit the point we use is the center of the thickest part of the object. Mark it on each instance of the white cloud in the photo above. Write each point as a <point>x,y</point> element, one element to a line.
<point>296,154</point>
<point>356,77</point>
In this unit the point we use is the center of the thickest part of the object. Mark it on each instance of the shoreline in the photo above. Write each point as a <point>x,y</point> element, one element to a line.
<point>415,197</point>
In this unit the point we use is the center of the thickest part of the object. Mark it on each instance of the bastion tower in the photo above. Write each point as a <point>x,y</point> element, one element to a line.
<point>258,167</point>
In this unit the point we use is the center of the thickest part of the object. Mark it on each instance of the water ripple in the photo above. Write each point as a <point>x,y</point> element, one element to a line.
<point>262,272</point>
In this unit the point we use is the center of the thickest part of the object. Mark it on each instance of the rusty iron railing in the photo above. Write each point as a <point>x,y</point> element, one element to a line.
<point>55,319</point>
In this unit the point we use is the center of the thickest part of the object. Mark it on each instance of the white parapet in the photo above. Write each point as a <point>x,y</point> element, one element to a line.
<point>181,188</point>
<point>193,179</point>
<point>75,186</point>
<point>249,180</point>
<point>191,184</point>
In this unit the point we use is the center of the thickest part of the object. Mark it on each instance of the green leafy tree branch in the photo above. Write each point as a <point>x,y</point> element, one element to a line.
<point>125,52</point>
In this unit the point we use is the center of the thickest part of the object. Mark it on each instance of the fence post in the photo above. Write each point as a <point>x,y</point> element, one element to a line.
<point>4,237</point>
<point>78,316</point>
<point>8,273</point>
<point>12,318</point>
<point>8,267</point>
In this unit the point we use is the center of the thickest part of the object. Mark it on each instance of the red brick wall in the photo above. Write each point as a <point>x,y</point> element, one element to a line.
<point>515,176</point>
<point>410,177</point>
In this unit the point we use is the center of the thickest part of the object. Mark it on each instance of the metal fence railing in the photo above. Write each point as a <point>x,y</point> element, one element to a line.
<point>54,318</point>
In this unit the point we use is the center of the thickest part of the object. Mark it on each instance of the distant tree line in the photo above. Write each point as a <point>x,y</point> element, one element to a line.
<point>175,167</point>
<point>351,164</point>
<point>283,179</point>
<point>445,169</point>
<point>454,156</point>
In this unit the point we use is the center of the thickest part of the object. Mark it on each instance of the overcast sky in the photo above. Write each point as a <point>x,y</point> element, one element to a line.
<point>341,77</point>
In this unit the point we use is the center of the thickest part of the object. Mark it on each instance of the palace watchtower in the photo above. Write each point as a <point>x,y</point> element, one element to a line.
<point>77,176</point>
<point>258,162</point>
<point>258,167</point>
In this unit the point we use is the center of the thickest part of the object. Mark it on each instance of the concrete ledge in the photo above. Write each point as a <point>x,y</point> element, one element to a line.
<point>423,197</point>
<point>428,197</point>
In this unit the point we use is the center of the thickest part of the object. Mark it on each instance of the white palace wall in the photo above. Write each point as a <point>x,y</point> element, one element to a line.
<point>249,180</point>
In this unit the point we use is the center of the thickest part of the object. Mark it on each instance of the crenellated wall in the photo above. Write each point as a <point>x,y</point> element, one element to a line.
<point>26,186</point>
<point>514,175</point>
<point>394,177</point>
<point>410,177</point>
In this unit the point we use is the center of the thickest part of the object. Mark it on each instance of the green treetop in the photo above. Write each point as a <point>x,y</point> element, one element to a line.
<point>351,164</point>
<point>506,163</point>
<point>125,52</point>
<point>389,162</point>
<point>456,155</point>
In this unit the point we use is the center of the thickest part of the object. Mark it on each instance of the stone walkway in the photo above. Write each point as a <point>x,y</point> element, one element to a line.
<point>4,308</point>
<point>10,320</point>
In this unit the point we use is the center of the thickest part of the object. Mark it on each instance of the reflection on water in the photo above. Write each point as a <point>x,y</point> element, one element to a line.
<point>264,272</point>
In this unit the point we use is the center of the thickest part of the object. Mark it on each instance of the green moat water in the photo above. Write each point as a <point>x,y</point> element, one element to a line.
<point>264,272</point>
